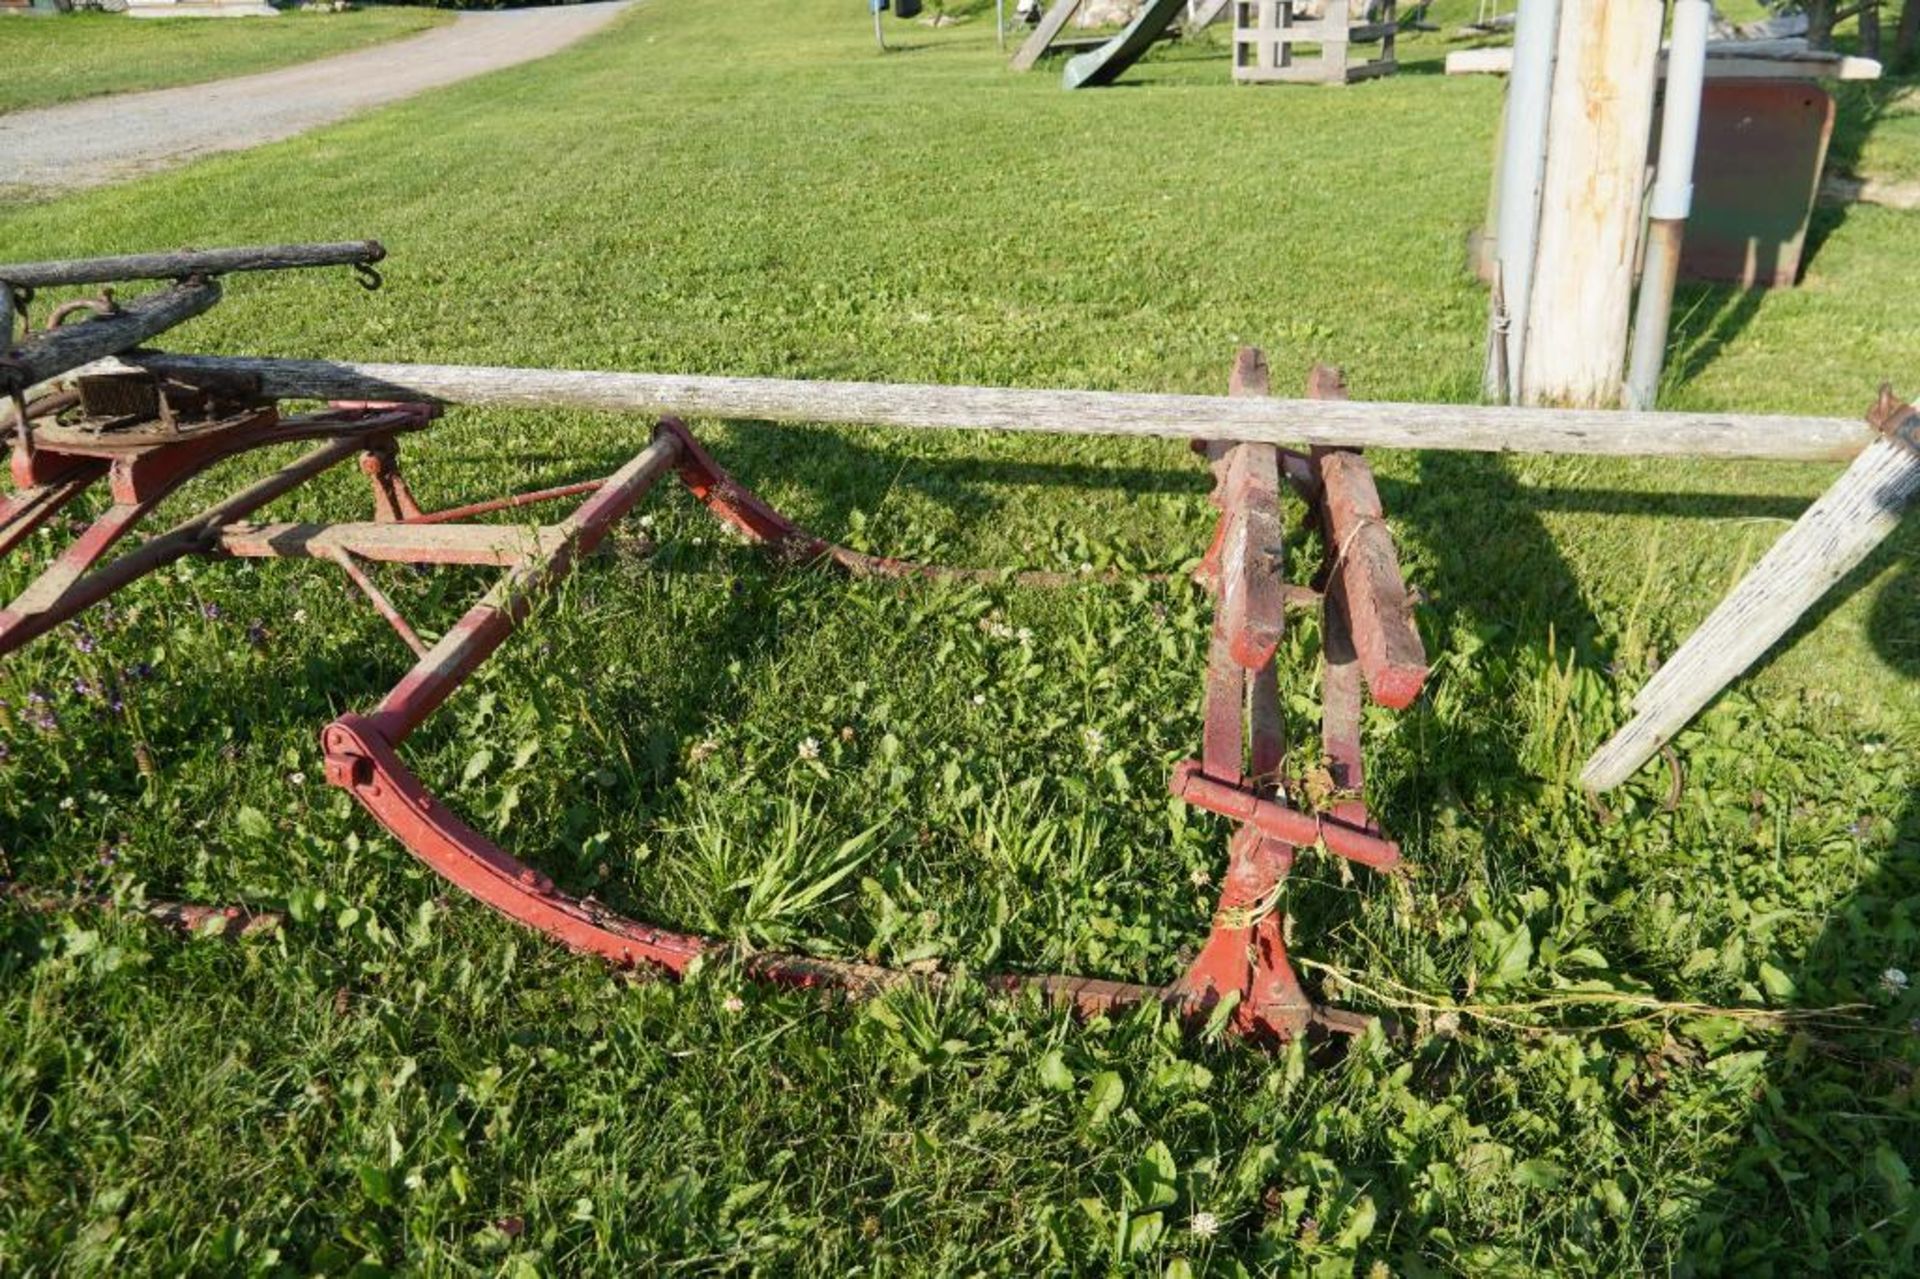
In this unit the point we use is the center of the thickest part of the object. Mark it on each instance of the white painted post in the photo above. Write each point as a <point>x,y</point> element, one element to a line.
<point>1671,201</point>
<point>1600,117</point>
<point>1523,155</point>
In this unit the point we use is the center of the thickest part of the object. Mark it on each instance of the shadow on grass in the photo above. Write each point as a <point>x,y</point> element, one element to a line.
<point>1835,1197</point>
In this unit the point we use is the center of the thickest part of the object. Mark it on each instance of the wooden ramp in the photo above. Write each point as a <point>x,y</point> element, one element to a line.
<point>1054,21</point>
<point>1106,64</point>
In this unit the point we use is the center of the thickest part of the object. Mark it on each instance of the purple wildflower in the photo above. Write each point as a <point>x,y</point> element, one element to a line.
<point>83,640</point>
<point>256,632</point>
<point>139,671</point>
<point>210,611</point>
<point>84,687</point>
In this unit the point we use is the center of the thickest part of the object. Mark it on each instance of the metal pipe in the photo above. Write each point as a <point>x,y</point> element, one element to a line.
<point>1671,201</point>
<point>1523,159</point>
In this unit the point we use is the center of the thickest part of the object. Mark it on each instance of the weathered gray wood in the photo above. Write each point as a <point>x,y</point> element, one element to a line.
<point>46,355</point>
<point>181,263</point>
<point>1357,423</point>
<point>1599,117</point>
<point>1044,35</point>
<point>1729,61</point>
<point>1855,515</point>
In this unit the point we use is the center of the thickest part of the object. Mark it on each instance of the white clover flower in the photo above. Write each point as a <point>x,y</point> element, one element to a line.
<point>298,779</point>
<point>1199,878</point>
<point>1894,981</point>
<point>1094,740</point>
<point>979,699</point>
<point>1203,1224</point>
<point>734,1004</point>
<point>810,748</point>
<point>299,617</point>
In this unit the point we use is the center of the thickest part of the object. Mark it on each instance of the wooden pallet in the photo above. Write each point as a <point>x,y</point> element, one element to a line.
<point>1268,36</point>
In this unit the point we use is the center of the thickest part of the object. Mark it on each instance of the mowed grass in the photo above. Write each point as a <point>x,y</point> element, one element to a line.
<point>972,776</point>
<point>81,55</point>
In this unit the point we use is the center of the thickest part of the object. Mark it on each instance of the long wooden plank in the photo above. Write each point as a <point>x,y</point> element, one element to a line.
<point>180,263</point>
<point>1364,569</point>
<point>1045,34</point>
<point>1855,515</point>
<point>1724,62</point>
<point>1355,423</point>
<point>48,355</point>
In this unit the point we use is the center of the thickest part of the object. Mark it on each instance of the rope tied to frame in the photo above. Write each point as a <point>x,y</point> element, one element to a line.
<point>1249,915</point>
<point>1359,522</point>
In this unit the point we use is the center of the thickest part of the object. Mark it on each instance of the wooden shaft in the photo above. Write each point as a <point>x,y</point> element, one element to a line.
<point>1600,114</point>
<point>1835,534</point>
<point>46,355</point>
<point>179,264</point>
<point>1472,428</point>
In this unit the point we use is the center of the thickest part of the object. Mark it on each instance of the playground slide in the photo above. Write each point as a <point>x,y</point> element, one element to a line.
<point>1105,64</point>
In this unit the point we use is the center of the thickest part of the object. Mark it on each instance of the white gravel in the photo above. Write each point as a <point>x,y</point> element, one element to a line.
<point>101,140</point>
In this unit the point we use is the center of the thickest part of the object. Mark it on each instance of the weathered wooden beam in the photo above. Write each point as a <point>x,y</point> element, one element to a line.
<point>1045,34</point>
<point>47,355</point>
<point>1364,580</point>
<point>180,263</point>
<point>1837,532</point>
<point>1472,428</point>
<point>1599,116</point>
<point>1726,61</point>
<point>1253,605</point>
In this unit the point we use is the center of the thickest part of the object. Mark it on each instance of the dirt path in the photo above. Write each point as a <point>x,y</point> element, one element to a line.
<point>101,140</point>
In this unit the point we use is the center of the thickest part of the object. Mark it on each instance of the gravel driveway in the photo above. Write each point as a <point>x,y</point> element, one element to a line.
<point>101,140</point>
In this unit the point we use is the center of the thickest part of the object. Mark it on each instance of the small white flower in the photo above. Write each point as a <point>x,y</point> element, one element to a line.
<point>298,779</point>
<point>646,521</point>
<point>734,1004</point>
<point>1094,739</point>
<point>66,805</point>
<point>299,617</point>
<point>979,699</point>
<point>1199,878</point>
<point>810,748</point>
<point>1893,981</point>
<point>1024,635</point>
<point>1203,1224</point>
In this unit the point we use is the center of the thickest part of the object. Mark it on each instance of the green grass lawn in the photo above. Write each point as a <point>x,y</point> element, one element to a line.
<point>401,1081</point>
<point>81,55</point>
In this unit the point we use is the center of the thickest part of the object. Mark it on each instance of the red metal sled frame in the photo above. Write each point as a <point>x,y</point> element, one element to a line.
<point>1367,629</point>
